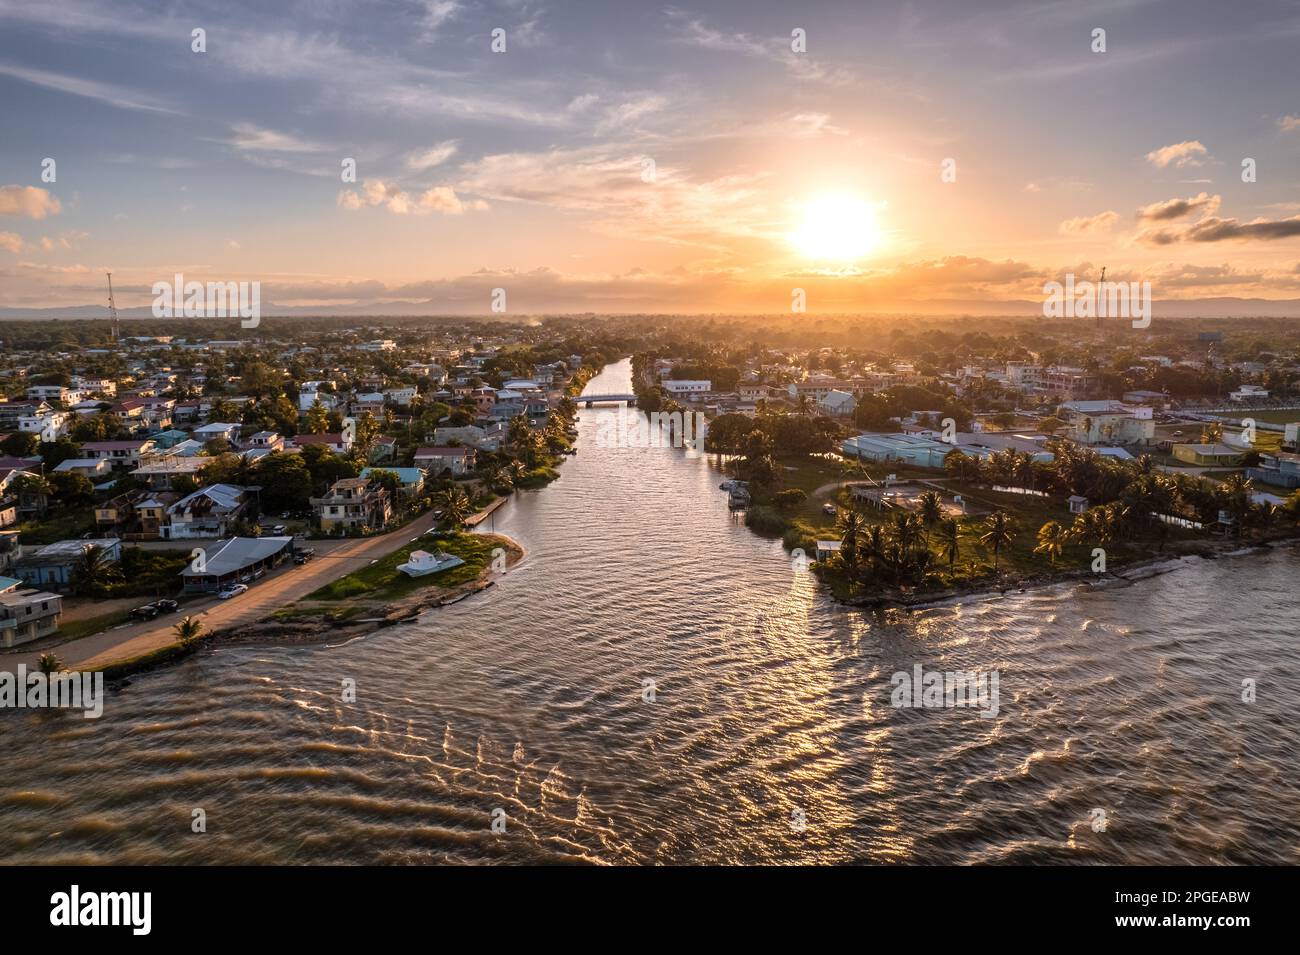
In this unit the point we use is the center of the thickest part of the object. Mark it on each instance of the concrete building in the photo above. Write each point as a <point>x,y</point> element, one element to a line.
<point>353,503</point>
<point>26,614</point>
<point>1107,422</point>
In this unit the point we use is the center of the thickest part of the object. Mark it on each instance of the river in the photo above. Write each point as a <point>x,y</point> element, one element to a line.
<point>766,736</point>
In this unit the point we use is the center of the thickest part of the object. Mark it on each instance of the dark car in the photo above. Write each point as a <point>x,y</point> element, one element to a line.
<point>147,612</point>
<point>304,555</point>
<point>166,606</point>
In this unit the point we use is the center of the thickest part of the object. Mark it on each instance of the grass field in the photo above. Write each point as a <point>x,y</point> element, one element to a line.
<point>383,581</point>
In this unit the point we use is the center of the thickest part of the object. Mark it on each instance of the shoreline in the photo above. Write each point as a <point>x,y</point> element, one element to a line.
<point>318,630</point>
<point>1145,568</point>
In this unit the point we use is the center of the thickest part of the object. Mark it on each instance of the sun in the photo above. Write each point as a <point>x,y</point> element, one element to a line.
<point>836,228</point>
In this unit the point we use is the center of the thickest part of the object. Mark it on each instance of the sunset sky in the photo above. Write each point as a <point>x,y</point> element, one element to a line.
<point>527,169</point>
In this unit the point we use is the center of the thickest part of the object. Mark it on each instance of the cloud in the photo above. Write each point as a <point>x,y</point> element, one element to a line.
<point>89,89</point>
<point>437,13</point>
<point>246,137</point>
<point>1081,225</point>
<point>692,31</point>
<point>376,192</point>
<point>11,242</point>
<point>27,202</point>
<point>1204,203</point>
<point>1188,153</point>
<point>1214,229</point>
<point>1288,124</point>
<point>434,156</point>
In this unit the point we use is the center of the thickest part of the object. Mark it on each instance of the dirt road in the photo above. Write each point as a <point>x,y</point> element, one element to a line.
<point>334,559</point>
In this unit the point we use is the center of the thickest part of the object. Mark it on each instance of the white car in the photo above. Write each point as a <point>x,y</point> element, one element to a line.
<point>234,591</point>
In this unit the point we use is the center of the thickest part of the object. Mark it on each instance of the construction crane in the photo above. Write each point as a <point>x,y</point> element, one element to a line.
<point>1101,293</point>
<point>112,308</point>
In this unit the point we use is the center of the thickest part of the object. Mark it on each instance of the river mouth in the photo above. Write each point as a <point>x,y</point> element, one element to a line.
<point>656,684</point>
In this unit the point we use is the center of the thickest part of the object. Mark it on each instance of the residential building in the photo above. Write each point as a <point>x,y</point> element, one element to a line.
<point>1209,455</point>
<point>353,503</point>
<point>1108,422</point>
<point>26,614</point>
<point>120,454</point>
<point>686,387</point>
<point>53,565</point>
<point>437,460</point>
<point>209,512</point>
<point>1281,469</point>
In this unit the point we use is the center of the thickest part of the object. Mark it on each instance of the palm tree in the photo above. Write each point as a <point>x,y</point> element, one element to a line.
<point>1051,536</point>
<point>188,631</point>
<point>851,525</point>
<point>931,512</point>
<point>455,506</point>
<point>49,663</point>
<point>93,572</point>
<point>997,534</point>
<point>949,539</point>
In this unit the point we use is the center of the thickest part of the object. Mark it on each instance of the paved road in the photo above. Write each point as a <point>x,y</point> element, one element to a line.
<point>334,559</point>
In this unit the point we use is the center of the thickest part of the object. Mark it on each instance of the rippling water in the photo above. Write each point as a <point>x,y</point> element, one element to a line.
<point>769,701</point>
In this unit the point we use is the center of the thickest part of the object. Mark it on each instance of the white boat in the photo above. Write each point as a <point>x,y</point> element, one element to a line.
<point>421,563</point>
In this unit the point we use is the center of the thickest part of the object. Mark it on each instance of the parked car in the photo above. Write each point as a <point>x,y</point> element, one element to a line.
<point>278,530</point>
<point>232,591</point>
<point>259,574</point>
<point>304,555</point>
<point>147,612</point>
<point>829,508</point>
<point>166,606</point>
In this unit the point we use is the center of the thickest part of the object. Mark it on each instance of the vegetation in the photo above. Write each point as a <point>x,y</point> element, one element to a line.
<point>383,581</point>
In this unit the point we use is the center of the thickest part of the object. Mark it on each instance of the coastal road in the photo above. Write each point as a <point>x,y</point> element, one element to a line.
<point>281,587</point>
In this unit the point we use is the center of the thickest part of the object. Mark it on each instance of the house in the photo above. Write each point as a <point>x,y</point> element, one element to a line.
<point>384,448</point>
<point>841,404</point>
<point>53,565</point>
<point>1078,504</point>
<point>421,563</point>
<point>353,503</point>
<point>94,385</point>
<point>93,468</point>
<point>1155,399</point>
<point>209,512</point>
<point>159,474</point>
<point>685,387</point>
<point>237,560</point>
<point>312,392</point>
<point>1107,422</point>
<point>827,549</point>
<point>48,425</point>
<point>219,430</point>
<point>1209,455</point>
<point>331,440</point>
<point>484,439</point>
<point>168,439</point>
<point>402,396</point>
<point>371,402</point>
<point>1248,393</point>
<point>120,454</point>
<point>753,392</point>
<point>459,461</point>
<point>411,479</point>
<point>26,614</point>
<point>1281,469</point>
<point>59,393</point>
<point>266,441</point>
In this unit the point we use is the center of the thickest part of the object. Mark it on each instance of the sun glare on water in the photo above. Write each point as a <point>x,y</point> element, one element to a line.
<point>836,228</point>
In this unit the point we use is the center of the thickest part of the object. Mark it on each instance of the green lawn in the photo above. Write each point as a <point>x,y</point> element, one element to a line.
<point>67,525</point>
<point>89,625</point>
<point>383,581</point>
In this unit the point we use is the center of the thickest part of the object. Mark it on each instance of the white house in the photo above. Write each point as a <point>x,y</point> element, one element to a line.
<point>686,386</point>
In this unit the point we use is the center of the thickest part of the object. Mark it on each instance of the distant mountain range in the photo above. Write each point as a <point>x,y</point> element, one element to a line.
<point>1226,307</point>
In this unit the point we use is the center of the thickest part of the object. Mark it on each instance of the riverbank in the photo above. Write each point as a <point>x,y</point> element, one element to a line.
<point>1129,573</point>
<point>321,618</point>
